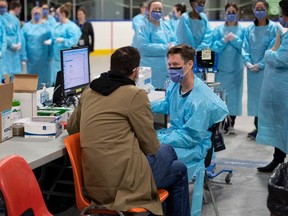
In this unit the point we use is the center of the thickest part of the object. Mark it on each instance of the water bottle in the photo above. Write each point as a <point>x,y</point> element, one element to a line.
<point>167,82</point>
<point>44,95</point>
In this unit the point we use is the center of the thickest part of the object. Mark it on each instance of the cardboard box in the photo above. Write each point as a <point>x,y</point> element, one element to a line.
<point>6,96</point>
<point>145,79</point>
<point>43,127</point>
<point>25,87</point>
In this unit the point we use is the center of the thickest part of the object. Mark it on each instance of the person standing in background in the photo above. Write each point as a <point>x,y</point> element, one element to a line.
<point>3,42</point>
<point>87,37</point>
<point>154,38</point>
<point>11,60</point>
<point>177,12</point>
<point>273,103</point>
<point>37,48</point>
<point>194,28</point>
<point>227,42</point>
<point>258,39</point>
<point>66,34</point>
<point>46,17</point>
<point>138,20</point>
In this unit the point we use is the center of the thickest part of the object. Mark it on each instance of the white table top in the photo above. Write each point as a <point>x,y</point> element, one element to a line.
<point>35,151</point>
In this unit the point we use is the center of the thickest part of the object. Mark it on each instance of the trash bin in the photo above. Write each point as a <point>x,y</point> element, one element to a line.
<point>277,201</point>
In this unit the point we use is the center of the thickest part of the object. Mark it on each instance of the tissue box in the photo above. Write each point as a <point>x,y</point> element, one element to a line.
<point>43,127</point>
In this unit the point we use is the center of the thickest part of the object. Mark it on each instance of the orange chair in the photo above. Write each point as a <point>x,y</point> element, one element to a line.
<point>20,188</point>
<point>72,143</point>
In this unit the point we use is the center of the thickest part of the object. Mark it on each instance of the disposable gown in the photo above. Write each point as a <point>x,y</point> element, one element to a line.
<point>196,33</point>
<point>174,22</point>
<point>137,21</point>
<point>273,104</point>
<point>230,65</point>
<point>71,34</point>
<point>37,55</point>
<point>258,39</point>
<point>191,116</point>
<point>153,44</point>
<point>3,45</point>
<point>11,60</point>
<point>51,21</point>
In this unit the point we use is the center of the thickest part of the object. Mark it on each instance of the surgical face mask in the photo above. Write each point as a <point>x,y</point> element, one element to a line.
<point>199,8</point>
<point>156,15</point>
<point>3,10</point>
<point>231,17</point>
<point>173,15</point>
<point>260,14</point>
<point>176,74</point>
<point>37,17</point>
<point>57,18</point>
<point>45,12</point>
<point>282,22</point>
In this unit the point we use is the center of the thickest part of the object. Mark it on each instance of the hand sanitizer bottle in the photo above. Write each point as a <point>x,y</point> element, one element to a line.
<point>44,95</point>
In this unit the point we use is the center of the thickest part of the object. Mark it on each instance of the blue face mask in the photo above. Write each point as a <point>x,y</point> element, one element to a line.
<point>37,17</point>
<point>282,22</point>
<point>57,18</point>
<point>260,14</point>
<point>3,10</point>
<point>176,74</point>
<point>199,9</point>
<point>45,12</point>
<point>156,15</point>
<point>231,17</point>
<point>173,15</point>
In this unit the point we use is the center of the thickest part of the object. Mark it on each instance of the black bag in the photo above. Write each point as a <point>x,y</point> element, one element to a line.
<point>217,138</point>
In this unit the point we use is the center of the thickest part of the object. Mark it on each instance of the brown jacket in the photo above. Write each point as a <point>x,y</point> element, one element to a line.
<point>116,133</point>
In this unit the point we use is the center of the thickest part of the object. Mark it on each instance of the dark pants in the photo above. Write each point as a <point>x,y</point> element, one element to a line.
<point>279,156</point>
<point>171,174</point>
<point>256,122</point>
<point>233,118</point>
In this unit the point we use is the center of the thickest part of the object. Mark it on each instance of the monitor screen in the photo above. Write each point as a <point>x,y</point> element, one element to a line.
<point>75,68</point>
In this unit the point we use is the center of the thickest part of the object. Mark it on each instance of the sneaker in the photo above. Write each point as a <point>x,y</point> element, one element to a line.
<point>252,135</point>
<point>268,168</point>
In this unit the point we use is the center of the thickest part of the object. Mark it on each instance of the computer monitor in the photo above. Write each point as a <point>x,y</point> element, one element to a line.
<point>76,70</point>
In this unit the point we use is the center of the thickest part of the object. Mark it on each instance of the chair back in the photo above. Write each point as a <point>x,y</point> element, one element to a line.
<point>72,144</point>
<point>20,188</point>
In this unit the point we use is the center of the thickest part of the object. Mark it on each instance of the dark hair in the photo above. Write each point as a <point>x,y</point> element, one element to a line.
<point>180,7</point>
<point>14,4</point>
<point>151,2</point>
<point>66,8</point>
<point>231,4</point>
<point>125,60</point>
<point>263,1</point>
<point>82,9</point>
<point>284,7</point>
<point>186,52</point>
<point>143,4</point>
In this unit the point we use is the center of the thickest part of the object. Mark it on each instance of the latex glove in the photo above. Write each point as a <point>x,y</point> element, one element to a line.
<point>255,68</point>
<point>226,38</point>
<point>170,45</point>
<point>231,36</point>
<point>24,61</point>
<point>48,42</point>
<point>249,65</point>
<point>18,46</point>
<point>14,46</point>
<point>59,40</point>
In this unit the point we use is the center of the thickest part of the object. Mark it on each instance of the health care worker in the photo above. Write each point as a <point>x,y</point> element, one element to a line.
<point>227,43</point>
<point>273,103</point>
<point>46,17</point>
<point>154,39</point>
<point>66,34</point>
<point>177,12</point>
<point>194,28</point>
<point>193,109</point>
<point>258,39</point>
<point>11,60</point>
<point>3,42</point>
<point>36,51</point>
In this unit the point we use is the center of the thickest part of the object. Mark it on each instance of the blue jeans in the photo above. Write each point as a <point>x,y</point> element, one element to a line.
<point>171,174</point>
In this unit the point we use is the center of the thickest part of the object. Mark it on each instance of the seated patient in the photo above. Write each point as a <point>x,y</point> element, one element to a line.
<point>193,108</point>
<point>119,143</point>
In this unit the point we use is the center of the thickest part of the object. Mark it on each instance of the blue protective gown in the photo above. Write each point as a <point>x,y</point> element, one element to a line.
<point>273,103</point>
<point>71,34</point>
<point>258,39</point>
<point>37,55</point>
<point>137,21</point>
<point>153,44</point>
<point>174,22</point>
<point>190,118</point>
<point>230,65</point>
<point>3,46</point>
<point>51,21</point>
<point>11,60</point>
<point>196,33</point>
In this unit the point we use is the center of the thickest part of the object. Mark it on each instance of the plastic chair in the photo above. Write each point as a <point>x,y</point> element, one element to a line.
<point>20,188</point>
<point>72,143</point>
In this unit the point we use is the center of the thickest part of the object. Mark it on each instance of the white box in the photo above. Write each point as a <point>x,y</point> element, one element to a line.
<point>6,126</point>
<point>28,103</point>
<point>43,127</point>
<point>145,79</point>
